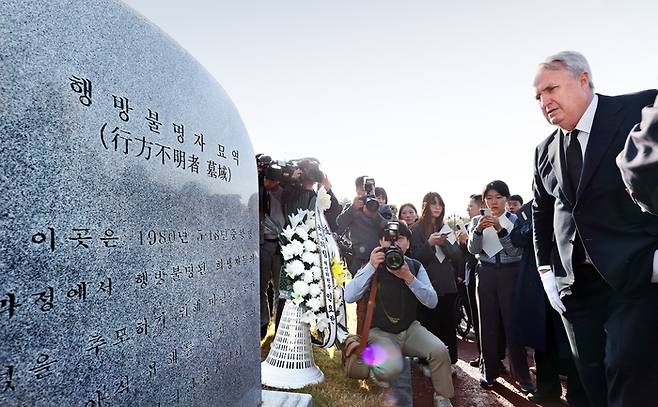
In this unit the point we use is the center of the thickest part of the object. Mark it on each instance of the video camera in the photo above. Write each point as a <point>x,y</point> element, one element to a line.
<point>282,171</point>
<point>370,200</point>
<point>393,255</point>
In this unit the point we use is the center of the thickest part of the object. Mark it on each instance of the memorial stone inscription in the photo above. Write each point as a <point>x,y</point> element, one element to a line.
<point>128,220</point>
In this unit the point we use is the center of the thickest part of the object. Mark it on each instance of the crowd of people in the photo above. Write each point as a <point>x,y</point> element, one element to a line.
<point>571,275</point>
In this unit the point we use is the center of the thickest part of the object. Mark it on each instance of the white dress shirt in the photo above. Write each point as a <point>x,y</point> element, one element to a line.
<point>584,125</point>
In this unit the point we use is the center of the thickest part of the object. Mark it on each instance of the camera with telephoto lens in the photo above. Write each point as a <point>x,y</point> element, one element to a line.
<point>370,200</point>
<point>278,170</point>
<point>393,255</point>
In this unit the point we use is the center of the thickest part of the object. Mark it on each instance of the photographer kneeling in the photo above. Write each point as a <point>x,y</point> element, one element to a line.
<point>402,283</point>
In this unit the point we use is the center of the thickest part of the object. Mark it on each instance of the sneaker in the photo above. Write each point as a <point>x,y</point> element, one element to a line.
<point>380,383</point>
<point>441,401</point>
<point>486,384</point>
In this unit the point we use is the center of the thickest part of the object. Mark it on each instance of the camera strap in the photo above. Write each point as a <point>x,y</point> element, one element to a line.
<point>369,313</point>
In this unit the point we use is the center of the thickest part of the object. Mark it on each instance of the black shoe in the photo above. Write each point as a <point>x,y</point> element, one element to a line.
<point>527,388</point>
<point>475,362</point>
<point>544,396</point>
<point>486,384</point>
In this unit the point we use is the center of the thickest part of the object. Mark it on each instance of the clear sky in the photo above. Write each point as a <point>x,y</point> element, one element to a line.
<point>421,95</point>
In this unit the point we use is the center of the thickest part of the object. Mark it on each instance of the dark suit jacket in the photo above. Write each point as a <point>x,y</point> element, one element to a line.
<point>638,161</point>
<point>530,311</point>
<point>618,237</point>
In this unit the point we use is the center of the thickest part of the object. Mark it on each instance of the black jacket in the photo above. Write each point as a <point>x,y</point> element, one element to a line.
<point>638,161</point>
<point>618,237</point>
<point>442,275</point>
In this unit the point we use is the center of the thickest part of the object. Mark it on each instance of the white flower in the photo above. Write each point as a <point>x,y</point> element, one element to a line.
<point>310,246</point>
<point>307,277</point>
<point>315,290</point>
<point>288,232</point>
<point>313,235</point>
<point>297,299</point>
<point>322,323</point>
<point>314,304</point>
<point>297,247</point>
<point>316,272</point>
<point>324,200</point>
<point>310,258</point>
<point>309,317</point>
<point>294,268</point>
<point>310,223</point>
<point>300,288</point>
<point>296,218</point>
<point>287,252</point>
<point>302,232</point>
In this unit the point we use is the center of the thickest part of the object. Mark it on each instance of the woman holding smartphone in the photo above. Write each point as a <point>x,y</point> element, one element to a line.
<point>441,258</point>
<point>497,269</point>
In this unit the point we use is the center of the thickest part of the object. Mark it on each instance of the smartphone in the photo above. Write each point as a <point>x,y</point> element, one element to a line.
<point>485,211</point>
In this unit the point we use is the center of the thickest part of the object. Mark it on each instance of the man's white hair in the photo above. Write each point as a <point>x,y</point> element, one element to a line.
<point>572,61</point>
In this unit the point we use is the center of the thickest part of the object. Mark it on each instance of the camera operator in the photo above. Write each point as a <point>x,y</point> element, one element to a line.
<point>403,285</point>
<point>361,221</point>
<point>300,192</point>
<point>271,208</point>
<point>297,179</point>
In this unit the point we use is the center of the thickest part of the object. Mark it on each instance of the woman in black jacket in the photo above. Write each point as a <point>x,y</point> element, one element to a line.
<point>441,259</point>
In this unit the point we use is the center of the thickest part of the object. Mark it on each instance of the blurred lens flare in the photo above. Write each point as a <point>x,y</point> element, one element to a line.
<point>375,354</point>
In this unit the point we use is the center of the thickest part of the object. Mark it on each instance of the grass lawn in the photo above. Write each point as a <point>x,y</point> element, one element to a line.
<point>336,390</point>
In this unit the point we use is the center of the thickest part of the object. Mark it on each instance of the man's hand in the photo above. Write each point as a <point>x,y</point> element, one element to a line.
<point>550,286</point>
<point>357,203</point>
<point>376,257</point>
<point>403,273</point>
<point>437,238</point>
<point>325,183</point>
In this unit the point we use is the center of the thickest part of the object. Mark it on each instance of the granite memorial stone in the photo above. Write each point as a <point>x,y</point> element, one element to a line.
<point>128,220</point>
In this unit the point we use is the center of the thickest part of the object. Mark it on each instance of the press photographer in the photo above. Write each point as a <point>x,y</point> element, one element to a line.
<point>399,284</point>
<point>360,223</point>
<point>285,186</point>
<point>271,218</point>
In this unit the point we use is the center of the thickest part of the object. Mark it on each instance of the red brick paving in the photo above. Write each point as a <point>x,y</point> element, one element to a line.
<point>468,391</point>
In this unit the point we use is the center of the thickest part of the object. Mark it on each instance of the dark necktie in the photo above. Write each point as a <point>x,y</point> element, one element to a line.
<point>574,160</point>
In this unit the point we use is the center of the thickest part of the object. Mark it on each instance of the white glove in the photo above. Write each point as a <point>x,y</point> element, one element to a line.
<point>550,286</point>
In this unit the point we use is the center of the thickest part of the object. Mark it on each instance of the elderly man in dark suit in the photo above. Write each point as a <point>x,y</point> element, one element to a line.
<point>638,161</point>
<point>608,303</point>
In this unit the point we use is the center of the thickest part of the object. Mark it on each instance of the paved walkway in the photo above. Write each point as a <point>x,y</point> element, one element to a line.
<point>469,393</point>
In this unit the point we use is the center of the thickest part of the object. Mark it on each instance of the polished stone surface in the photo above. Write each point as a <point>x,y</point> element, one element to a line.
<point>128,219</point>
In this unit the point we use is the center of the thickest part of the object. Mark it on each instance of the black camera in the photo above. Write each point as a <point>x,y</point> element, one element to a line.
<point>393,255</point>
<point>282,171</point>
<point>275,170</point>
<point>370,200</point>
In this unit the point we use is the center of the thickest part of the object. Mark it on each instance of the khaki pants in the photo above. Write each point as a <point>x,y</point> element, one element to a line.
<point>386,355</point>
